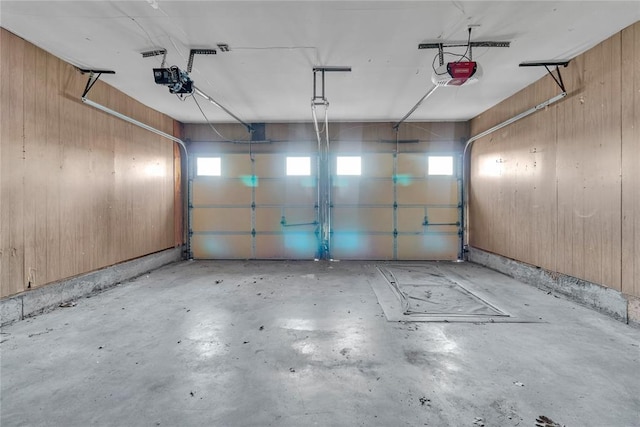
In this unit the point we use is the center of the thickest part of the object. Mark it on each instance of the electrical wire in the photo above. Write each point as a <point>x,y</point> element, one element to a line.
<point>468,47</point>
<point>225,139</point>
<point>433,63</point>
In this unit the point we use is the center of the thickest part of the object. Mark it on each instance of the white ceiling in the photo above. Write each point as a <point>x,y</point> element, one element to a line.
<point>267,76</point>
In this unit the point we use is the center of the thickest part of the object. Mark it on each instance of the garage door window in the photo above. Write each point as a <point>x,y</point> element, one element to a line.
<point>349,165</point>
<point>208,166</point>
<point>298,166</point>
<point>440,165</point>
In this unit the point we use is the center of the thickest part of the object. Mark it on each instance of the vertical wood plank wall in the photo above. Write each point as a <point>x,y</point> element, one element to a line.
<point>79,190</point>
<point>561,188</point>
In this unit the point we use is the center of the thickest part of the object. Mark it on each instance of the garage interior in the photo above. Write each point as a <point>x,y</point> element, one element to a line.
<point>286,213</point>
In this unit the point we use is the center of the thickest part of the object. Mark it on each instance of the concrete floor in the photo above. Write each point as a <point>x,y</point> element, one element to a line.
<point>306,343</point>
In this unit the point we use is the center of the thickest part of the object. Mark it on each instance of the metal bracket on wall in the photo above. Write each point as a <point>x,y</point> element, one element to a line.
<point>546,65</point>
<point>94,75</point>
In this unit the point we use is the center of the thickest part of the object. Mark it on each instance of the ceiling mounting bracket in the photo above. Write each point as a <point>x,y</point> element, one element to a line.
<point>156,52</point>
<point>94,75</point>
<point>553,63</point>
<point>320,98</point>
<point>470,46</point>
<point>194,52</point>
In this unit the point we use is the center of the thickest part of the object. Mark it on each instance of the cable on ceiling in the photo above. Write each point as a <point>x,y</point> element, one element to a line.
<point>468,47</point>
<point>225,139</point>
<point>433,63</point>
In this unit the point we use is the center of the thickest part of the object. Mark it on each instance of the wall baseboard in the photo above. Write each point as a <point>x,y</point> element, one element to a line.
<point>605,300</point>
<point>48,297</point>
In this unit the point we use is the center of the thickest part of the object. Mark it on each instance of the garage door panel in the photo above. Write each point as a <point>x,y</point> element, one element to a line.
<point>353,190</point>
<point>288,245</point>
<point>430,246</point>
<point>361,246</point>
<point>377,165</point>
<point>269,247</point>
<point>362,219</point>
<point>442,215</point>
<point>412,165</point>
<point>269,219</point>
<point>410,219</point>
<point>221,246</point>
<point>435,191</point>
<point>270,165</point>
<point>221,219</point>
<point>290,190</point>
<point>220,191</point>
<point>236,166</point>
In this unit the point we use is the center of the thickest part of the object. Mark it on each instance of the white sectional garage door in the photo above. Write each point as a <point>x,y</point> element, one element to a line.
<point>394,209</point>
<point>253,210</point>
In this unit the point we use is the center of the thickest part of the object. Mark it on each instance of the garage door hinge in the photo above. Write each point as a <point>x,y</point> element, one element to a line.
<point>395,205</point>
<point>253,206</point>
<point>253,232</point>
<point>395,233</point>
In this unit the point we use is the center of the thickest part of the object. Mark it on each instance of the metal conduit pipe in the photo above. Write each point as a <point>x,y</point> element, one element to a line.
<point>466,165</point>
<point>157,132</point>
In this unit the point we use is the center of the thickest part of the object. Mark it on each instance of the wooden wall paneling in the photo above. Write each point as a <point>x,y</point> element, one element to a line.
<point>123,172</point>
<point>32,157</point>
<point>573,147</point>
<point>544,192</point>
<point>610,168</point>
<point>630,54</point>
<point>503,218</point>
<point>520,221</point>
<point>482,194</point>
<point>43,167</point>
<point>11,186</point>
<point>600,143</point>
<point>178,211</point>
<point>77,197</point>
<point>180,183</point>
<point>71,179</point>
<point>52,169</point>
<point>102,163</point>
